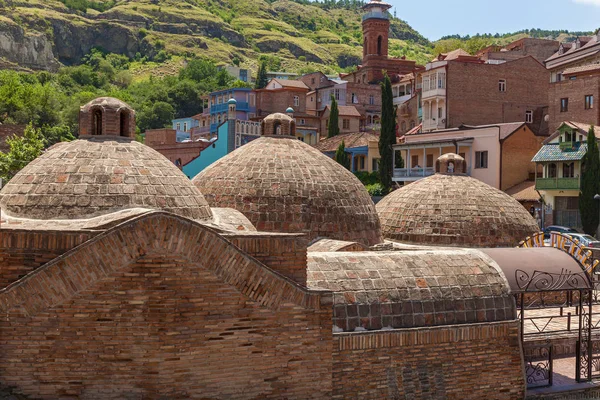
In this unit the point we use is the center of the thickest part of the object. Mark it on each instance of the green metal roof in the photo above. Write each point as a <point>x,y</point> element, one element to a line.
<point>553,152</point>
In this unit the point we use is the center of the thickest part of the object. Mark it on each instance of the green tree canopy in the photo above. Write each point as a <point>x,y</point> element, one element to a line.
<point>22,150</point>
<point>387,137</point>
<point>333,126</point>
<point>341,157</point>
<point>590,186</point>
<point>261,76</point>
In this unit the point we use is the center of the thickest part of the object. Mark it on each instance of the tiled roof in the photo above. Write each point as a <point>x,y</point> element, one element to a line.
<point>351,140</point>
<point>553,152</point>
<point>290,83</point>
<point>453,55</point>
<point>586,43</point>
<point>582,68</point>
<point>506,129</point>
<point>348,111</point>
<point>524,191</point>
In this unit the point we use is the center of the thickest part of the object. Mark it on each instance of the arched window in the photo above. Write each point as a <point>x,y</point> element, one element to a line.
<point>552,170</point>
<point>412,124</point>
<point>277,128</point>
<point>97,122</point>
<point>379,45</point>
<point>124,127</point>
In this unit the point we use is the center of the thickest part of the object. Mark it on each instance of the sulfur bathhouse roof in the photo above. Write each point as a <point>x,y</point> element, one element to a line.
<point>454,210</point>
<point>97,176</point>
<point>412,289</point>
<point>284,185</point>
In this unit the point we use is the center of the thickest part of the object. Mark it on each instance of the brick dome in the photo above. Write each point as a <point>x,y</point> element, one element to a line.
<point>454,210</point>
<point>284,185</point>
<point>100,175</point>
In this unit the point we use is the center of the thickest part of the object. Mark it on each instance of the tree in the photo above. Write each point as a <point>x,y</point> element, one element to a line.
<point>22,150</point>
<point>590,186</point>
<point>333,127</point>
<point>261,76</point>
<point>387,137</point>
<point>341,157</point>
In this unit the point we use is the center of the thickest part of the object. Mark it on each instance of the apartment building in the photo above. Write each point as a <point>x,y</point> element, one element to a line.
<point>575,82</point>
<point>499,155</point>
<point>559,163</point>
<point>540,49</point>
<point>460,89</point>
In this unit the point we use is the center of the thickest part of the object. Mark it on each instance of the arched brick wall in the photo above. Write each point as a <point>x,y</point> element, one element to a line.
<point>163,307</point>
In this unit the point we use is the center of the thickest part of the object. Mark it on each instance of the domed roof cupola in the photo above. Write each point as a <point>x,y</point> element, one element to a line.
<point>453,209</point>
<point>451,164</point>
<point>278,125</point>
<point>106,117</point>
<point>100,174</point>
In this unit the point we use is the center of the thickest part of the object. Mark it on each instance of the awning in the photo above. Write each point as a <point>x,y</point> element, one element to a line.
<point>542,269</point>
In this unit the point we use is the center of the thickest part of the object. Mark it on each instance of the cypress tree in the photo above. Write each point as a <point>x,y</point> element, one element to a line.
<point>333,127</point>
<point>341,157</point>
<point>261,76</point>
<point>590,186</point>
<point>387,138</point>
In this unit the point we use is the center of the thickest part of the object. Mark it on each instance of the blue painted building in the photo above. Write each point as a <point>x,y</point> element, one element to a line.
<point>245,110</point>
<point>230,135</point>
<point>185,125</point>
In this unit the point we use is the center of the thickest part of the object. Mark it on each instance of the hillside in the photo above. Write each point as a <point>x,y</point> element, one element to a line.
<point>48,33</point>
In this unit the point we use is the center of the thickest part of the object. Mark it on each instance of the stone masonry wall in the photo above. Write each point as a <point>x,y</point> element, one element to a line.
<point>163,308</point>
<point>22,252</point>
<point>452,362</point>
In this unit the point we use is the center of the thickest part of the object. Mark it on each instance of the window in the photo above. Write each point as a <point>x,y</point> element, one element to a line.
<point>375,164</point>
<point>403,126</point>
<point>346,124</point>
<point>564,104</point>
<point>312,99</point>
<point>441,80</point>
<point>529,117</point>
<point>302,122</point>
<point>372,100</point>
<point>337,94</point>
<point>296,101</point>
<point>568,170</point>
<point>412,124</point>
<point>414,162</point>
<point>354,98</point>
<point>481,159</point>
<point>429,160</point>
<point>559,77</point>
<point>440,112</point>
<point>552,171</point>
<point>589,102</point>
<point>502,85</point>
<point>185,127</point>
<point>313,81</point>
<point>178,126</point>
<point>362,163</point>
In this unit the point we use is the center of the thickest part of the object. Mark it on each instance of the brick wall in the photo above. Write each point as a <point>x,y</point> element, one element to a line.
<point>474,97</point>
<point>161,307</point>
<point>277,101</point>
<point>575,91</point>
<point>517,152</point>
<point>24,251</point>
<point>452,362</point>
<point>285,254</point>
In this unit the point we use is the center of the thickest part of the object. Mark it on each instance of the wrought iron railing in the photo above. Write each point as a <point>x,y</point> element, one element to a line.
<point>538,365</point>
<point>557,184</point>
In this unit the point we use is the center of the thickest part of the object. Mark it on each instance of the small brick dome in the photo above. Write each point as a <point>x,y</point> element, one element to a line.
<point>284,185</point>
<point>454,210</point>
<point>106,116</point>
<point>278,124</point>
<point>97,176</point>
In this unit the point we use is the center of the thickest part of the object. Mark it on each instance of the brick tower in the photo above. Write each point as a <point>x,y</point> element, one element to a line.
<point>376,27</point>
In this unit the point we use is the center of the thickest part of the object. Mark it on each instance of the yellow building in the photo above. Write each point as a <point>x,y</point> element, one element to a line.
<point>362,149</point>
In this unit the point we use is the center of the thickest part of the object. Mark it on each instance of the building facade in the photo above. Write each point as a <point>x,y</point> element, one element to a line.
<point>362,149</point>
<point>559,181</point>
<point>499,155</point>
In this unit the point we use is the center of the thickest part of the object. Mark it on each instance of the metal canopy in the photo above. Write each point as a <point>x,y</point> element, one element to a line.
<point>543,269</point>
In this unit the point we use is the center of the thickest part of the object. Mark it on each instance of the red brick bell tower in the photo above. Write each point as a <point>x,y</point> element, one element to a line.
<point>376,27</point>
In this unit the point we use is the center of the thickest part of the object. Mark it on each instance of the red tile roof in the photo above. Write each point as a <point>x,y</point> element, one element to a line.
<point>289,83</point>
<point>524,191</point>
<point>347,111</point>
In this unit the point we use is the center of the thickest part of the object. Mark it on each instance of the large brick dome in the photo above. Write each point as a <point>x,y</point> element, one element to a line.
<point>454,210</point>
<point>92,177</point>
<point>284,185</point>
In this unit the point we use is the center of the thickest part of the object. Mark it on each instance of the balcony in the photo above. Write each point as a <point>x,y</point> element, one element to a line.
<point>432,125</point>
<point>221,108</point>
<point>557,184</point>
<point>428,94</point>
<point>413,172</point>
<point>375,15</point>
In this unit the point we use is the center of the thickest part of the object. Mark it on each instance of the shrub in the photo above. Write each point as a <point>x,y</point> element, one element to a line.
<point>376,190</point>
<point>367,178</point>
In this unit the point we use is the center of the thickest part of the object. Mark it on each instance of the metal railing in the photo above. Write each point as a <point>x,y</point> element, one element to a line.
<point>557,184</point>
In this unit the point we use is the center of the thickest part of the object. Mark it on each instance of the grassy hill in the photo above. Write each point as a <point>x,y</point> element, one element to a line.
<point>297,37</point>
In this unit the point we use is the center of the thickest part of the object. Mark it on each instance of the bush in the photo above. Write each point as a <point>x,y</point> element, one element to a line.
<point>367,178</point>
<point>376,190</point>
